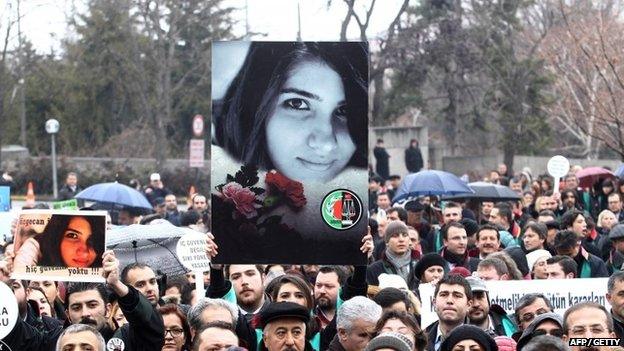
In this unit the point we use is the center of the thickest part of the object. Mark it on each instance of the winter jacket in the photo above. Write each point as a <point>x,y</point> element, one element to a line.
<point>618,329</point>
<point>590,266</point>
<point>413,159</point>
<point>470,263</point>
<point>145,329</point>
<point>384,266</point>
<point>503,324</point>
<point>382,166</point>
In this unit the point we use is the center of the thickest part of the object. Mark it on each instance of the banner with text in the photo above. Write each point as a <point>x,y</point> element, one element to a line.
<point>562,294</point>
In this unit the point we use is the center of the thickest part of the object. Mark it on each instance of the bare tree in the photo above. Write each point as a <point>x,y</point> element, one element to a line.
<point>586,58</point>
<point>380,59</point>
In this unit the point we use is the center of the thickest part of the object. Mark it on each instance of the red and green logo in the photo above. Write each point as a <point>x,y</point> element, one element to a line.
<point>341,209</point>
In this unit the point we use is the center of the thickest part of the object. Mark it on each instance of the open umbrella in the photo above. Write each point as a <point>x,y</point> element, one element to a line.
<point>114,193</point>
<point>620,172</point>
<point>430,182</point>
<point>153,244</point>
<point>487,192</point>
<point>589,176</point>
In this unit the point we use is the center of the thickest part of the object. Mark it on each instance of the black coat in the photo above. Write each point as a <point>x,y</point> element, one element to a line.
<point>145,330</point>
<point>618,329</point>
<point>413,159</point>
<point>383,162</point>
<point>384,266</point>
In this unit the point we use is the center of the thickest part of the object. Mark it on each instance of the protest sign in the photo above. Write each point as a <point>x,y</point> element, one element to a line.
<point>8,310</point>
<point>5,198</point>
<point>6,218</point>
<point>191,250</point>
<point>562,294</point>
<point>289,157</point>
<point>60,245</point>
<point>558,166</point>
<point>71,204</point>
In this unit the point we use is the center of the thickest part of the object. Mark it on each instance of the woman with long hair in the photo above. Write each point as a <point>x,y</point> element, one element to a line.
<point>66,241</point>
<point>299,108</point>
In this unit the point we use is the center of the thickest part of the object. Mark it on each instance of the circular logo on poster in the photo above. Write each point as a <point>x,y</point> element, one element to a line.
<point>341,209</point>
<point>4,347</point>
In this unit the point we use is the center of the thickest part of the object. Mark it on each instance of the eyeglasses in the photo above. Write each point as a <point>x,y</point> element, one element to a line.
<point>558,333</point>
<point>175,332</point>
<point>593,329</point>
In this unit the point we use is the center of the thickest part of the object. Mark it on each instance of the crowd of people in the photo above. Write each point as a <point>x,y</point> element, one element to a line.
<point>457,247</point>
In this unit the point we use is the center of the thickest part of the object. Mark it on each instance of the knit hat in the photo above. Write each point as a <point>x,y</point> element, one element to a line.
<point>390,340</point>
<point>505,343</point>
<point>533,256</point>
<point>459,270</point>
<point>472,227</point>
<point>617,232</point>
<point>393,228</point>
<point>527,334</point>
<point>469,332</point>
<point>414,206</point>
<point>391,281</point>
<point>428,260</point>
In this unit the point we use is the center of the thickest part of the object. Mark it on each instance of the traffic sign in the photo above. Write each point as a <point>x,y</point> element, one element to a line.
<point>196,154</point>
<point>198,125</point>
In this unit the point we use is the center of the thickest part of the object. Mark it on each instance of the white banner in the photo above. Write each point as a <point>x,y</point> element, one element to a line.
<point>562,294</point>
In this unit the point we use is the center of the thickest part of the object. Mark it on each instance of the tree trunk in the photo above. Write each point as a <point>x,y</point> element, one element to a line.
<point>378,96</point>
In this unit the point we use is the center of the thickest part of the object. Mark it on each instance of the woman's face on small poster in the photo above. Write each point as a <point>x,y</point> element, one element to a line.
<point>307,134</point>
<point>76,250</point>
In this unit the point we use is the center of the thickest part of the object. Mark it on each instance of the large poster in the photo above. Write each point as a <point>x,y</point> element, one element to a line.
<point>60,245</point>
<point>289,155</point>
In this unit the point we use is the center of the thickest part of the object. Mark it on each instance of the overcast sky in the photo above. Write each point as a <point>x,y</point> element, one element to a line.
<point>45,22</point>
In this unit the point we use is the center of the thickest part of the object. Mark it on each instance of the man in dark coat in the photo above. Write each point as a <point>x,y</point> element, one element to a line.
<point>491,318</point>
<point>382,167</point>
<point>69,190</point>
<point>144,332</point>
<point>413,157</point>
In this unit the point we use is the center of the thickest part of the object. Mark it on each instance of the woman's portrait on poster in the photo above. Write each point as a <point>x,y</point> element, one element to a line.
<point>300,108</point>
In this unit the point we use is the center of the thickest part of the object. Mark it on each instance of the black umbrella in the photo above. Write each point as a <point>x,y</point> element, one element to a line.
<point>153,244</point>
<point>486,192</point>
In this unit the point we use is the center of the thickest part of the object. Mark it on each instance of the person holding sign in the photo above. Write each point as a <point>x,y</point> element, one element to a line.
<point>66,241</point>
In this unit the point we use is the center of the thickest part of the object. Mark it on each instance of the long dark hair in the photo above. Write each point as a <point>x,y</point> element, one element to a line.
<point>52,236</point>
<point>252,95</point>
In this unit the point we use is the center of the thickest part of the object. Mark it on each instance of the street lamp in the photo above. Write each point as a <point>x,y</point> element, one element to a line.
<point>52,127</point>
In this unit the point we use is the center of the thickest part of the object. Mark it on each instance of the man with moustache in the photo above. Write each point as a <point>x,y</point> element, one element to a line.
<point>326,290</point>
<point>488,240</point>
<point>452,300</point>
<point>587,320</point>
<point>87,303</point>
<point>491,318</point>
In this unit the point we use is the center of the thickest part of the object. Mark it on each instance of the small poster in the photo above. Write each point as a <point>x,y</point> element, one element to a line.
<point>289,156</point>
<point>60,245</point>
<point>71,204</point>
<point>5,199</point>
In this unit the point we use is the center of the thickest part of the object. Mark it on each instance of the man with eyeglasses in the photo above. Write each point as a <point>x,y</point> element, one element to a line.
<point>544,324</point>
<point>587,320</point>
<point>527,308</point>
